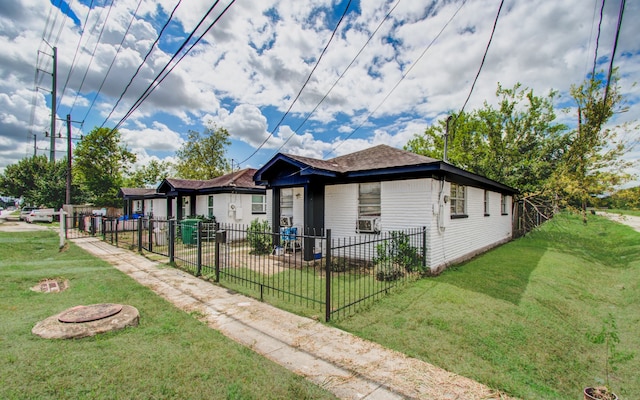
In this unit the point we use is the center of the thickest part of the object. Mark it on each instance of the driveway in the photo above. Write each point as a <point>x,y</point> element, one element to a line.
<point>629,220</point>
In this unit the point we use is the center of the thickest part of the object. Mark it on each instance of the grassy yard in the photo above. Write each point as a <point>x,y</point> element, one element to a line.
<point>169,355</point>
<point>518,317</point>
<point>635,213</point>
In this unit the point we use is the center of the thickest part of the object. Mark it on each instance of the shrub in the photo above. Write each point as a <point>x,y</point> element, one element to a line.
<point>396,256</point>
<point>260,237</point>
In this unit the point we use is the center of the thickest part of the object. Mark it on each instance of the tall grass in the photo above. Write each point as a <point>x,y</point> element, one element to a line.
<point>170,354</point>
<point>519,317</point>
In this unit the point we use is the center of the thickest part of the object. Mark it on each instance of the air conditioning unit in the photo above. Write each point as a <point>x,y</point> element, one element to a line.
<point>286,220</point>
<point>368,225</point>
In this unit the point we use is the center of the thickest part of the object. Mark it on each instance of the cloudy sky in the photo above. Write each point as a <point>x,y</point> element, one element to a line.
<point>279,77</point>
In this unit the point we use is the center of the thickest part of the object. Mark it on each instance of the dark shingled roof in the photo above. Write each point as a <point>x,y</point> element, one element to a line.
<point>137,191</point>
<point>377,157</point>
<point>239,179</point>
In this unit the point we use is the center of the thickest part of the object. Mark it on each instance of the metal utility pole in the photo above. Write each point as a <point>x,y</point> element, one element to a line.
<point>68,193</point>
<point>54,91</point>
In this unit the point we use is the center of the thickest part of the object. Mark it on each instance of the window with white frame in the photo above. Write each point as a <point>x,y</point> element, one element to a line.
<point>286,202</point>
<point>458,200</point>
<point>259,204</point>
<point>486,203</point>
<point>369,200</point>
<point>504,205</point>
<point>184,207</point>
<point>210,206</point>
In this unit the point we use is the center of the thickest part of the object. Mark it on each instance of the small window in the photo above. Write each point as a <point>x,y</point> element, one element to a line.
<point>183,206</point>
<point>486,203</point>
<point>210,207</point>
<point>258,204</point>
<point>458,201</point>
<point>369,200</point>
<point>286,202</point>
<point>503,205</point>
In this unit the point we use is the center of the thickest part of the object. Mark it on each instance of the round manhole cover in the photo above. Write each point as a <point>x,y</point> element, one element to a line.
<point>89,313</point>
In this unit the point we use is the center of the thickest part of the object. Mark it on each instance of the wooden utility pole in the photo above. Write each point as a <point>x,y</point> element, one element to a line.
<point>54,91</point>
<point>68,193</point>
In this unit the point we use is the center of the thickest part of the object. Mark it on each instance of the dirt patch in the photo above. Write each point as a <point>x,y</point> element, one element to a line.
<point>21,226</point>
<point>51,285</point>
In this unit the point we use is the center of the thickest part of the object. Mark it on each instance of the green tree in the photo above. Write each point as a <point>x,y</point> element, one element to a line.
<point>518,143</point>
<point>593,163</point>
<point>38,182</point>
<point>100,164</point>
<point>202,156</point>
<point>150,174</point>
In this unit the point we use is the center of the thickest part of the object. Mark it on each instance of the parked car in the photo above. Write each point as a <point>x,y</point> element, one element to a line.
<point>25,211</point>
<point>40,215</point>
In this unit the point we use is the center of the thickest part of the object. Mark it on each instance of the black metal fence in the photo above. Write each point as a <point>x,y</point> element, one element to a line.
<point>311,272</point>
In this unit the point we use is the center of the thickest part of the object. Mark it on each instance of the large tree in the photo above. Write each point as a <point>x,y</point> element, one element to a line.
<point>593,164</point>
<point>100,164</point>
<point>518,143</point>
<point>38,182</point>
<point>150,174</point>
<point>202,156</point>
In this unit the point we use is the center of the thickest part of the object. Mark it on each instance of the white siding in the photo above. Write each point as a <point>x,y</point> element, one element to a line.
<point>222,208</point>
<point>341,209</point>
<point>462,238</point>
<point>405,204</point>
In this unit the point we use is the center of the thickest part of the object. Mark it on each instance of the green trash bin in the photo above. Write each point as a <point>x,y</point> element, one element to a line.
<point>189,228</point>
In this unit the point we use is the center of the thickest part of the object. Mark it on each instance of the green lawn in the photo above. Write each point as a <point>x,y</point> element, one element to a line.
<point>169,355</point>
<point>518,317</point>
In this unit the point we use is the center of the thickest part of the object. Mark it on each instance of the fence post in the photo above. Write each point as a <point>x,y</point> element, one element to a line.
<point>63,229</point>
<point>424,248</point>
<point>139,220</point>
<point>327,315</point>
<point>103,226</point>
<point>117,223</point>
<point>172,238</point>
<point>199,242</point>
<point>150,234</point>
<point>221,237</point>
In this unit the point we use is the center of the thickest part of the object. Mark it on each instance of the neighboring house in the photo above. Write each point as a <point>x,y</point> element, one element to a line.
<point>231,198</point>
<point>387,189</point>
<point>143,201</point>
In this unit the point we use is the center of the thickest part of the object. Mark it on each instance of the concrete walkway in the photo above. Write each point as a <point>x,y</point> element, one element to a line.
<point>629,220</point>
<point>342,363</point>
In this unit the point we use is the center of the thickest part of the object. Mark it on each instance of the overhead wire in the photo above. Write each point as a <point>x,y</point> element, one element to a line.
<point>595,55</point>
<point>124,37</point>
<point>93,54</point>
<point>157,81</point>
<point>404,75</point>
<point>324,50</point>
<point>144,60</point>
<point>306,118</point>
<point>75,54</point>
<point>613,52</point>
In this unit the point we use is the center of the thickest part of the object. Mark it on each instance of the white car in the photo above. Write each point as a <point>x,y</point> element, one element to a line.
<point>40,215</point>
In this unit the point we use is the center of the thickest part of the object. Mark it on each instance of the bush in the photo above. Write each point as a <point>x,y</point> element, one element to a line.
<point>396,256</point>
<point>260,237</point>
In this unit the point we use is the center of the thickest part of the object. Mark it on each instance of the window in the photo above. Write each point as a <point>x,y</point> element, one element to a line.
<point>286,202</point>
<point>258,204</point>
<point>503,205</point>
<point>486,203</point>
<point>210,207</point>
<point>458,200</point>
<point>183,206</point>
<point>369,200</point>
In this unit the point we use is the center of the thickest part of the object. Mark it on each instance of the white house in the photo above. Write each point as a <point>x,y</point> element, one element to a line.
<point>232,198</point>
<point>386,189</point>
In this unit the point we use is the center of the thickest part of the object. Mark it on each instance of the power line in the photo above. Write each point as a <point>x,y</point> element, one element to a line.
<point>613,52</point>
<point>295,131</point>
<point>144,60</point>
<point>157,81</point>
<point>399,81</point>
<point>93,54</point>
<point>303,86</point>
<point>133,17</point>
<point>595,55</point>
<point>486,50</point>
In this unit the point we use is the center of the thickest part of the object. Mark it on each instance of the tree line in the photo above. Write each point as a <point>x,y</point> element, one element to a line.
<point>519,143</point>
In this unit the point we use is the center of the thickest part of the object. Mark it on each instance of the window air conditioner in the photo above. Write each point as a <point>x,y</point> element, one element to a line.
<point>368,225</point>
<point>286,220</point>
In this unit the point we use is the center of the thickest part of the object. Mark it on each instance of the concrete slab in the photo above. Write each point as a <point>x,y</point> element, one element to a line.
<point>349,367</point>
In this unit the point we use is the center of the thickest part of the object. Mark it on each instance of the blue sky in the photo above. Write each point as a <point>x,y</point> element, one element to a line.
<point>248,69</point>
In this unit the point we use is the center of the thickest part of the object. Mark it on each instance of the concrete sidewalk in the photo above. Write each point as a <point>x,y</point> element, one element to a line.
<point>349,367</point>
